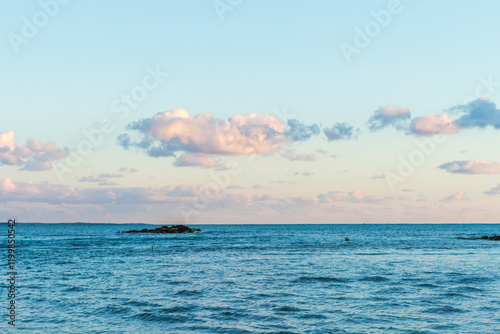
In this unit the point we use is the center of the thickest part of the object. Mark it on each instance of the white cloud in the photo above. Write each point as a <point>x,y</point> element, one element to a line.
<point>433,124</point>
<point>61,194</point>
<point>389,115</point>
<point>176,130</point>
<point>472,167</point>
<point>33,156</point>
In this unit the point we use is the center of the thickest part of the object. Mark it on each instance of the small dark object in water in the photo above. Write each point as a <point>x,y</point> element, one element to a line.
<point>495,237</point>
<point>166,229</point>
<point>346,239</point>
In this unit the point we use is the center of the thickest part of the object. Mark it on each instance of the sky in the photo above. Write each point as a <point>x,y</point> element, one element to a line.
<point>250,112</point>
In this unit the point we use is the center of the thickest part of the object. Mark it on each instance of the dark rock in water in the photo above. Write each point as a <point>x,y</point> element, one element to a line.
<point>495,237</point>
<point>166,229</point>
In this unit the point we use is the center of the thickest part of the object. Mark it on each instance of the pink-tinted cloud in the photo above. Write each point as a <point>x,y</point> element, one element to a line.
<point>472,167</point>
<point>176,130</point>
<point>480,113</point>
<point>433,124</point>
<point>389,116</point>
<point>33,156</point>
<point>61,194</point>
<point>459,196</point>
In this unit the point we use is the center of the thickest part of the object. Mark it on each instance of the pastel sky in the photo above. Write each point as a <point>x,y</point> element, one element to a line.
<point>245,112</point>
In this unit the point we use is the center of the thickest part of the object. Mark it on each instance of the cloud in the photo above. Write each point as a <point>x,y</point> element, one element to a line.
<point>433,124</point>
<point>60,194</point>
<point>33,156</point>
<point>195,159</point>
<point>304,173</point>
<point>290,155</point>
<point>339,131</point>
<point>298,131</point>
<point>459,196</point>
<point>478,113</point>
<point>110,175</point>
<point>472,167</point>
<point>92,179</point>
<point>176,130</point>
<point>326,153</point>
<point>493,191</point>
<point>378,176</point>
<point>389,115</point>
<point>101,179</point>
<point>126,169</point>
<point>354,196</point>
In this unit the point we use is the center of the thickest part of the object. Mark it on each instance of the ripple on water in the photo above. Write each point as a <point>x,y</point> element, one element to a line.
<point>158,317</point>
<point>74,289</point>
<point>113,310</point>
<point>189,293</point>
<point>288,309</point>
<point>373,279</point>
<point>428,285</point>
<point>444,310</point>
<point>313,279</point>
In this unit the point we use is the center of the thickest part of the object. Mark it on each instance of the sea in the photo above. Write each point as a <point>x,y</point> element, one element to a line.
<point>236,279</point>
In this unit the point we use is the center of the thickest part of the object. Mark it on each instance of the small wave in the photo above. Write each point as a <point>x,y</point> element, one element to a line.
<point>135,303</point>
<point>313,316</point>
<point>113,309</point>
<point>470,289</point>
<point>444,310</point>
<point>75,289</point>
<point>189,293</point>
<point>474,279</point>
<point>428,285</point>
<point>373,279</point>
<point>289,309</point>
<point>371,253</point>
<point>178,309</point>
<point>320,279</point>
<point>155,317</point>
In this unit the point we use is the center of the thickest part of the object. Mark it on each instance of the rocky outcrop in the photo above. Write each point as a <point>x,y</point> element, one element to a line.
<point>166,229</point>
<point>495,237</point>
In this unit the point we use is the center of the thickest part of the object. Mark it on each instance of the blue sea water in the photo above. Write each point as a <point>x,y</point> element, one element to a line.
<point>257,279</point>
